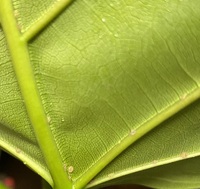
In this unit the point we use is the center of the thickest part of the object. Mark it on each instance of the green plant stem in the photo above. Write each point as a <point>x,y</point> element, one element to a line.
<point>133,136</point>
<point>25,76</point>
<point>45,19</point>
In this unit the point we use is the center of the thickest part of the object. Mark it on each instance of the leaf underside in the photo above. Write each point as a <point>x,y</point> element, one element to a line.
<point>107,73</point>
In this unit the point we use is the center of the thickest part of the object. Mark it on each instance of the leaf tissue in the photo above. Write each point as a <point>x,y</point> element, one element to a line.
<point>95,93</point>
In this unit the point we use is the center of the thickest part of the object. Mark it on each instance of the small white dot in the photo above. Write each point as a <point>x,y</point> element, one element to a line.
<point>70,169</point>
<point>183,97</point>
<point>133,132</point>
<point>16,13</point>
<point>116,35</point>
<point>48,119</point>
<point>155,162</point>
<point>103,20</point>
<point>184,155</point>
<point>18,150</point>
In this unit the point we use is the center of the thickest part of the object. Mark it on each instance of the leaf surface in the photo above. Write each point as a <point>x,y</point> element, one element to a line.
<point>84,84</point>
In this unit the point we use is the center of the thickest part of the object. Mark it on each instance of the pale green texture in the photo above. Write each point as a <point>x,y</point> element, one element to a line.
<point>84,83</point>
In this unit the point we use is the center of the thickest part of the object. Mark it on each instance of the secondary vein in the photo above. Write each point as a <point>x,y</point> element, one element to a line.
<point>134,135</point>
<point>26,81</point>
<point>45,19</point>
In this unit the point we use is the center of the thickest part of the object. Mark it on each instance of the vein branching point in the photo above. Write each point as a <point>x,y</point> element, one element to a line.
<point>17,45</point>
<point>56,8</point>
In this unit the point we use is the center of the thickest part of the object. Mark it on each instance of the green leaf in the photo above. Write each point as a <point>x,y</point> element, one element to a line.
<point>172,163</point>
<point>95,93</point>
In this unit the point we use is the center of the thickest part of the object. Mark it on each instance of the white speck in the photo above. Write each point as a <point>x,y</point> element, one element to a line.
<point>16,13</point>
<point>24,162</point>
<point>183,97</point>
<point>116,35</point>
<point>103,20</point>
<point>155,162</point>
<point>70,169</point>
<point>184,155</point>
<point>48,119</point>
<point>18,150</point>
<point>62,119</point>
<point>133,132</point>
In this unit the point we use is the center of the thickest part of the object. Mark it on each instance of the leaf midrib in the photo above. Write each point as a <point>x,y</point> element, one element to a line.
<point>17,45</point>
<point>26,81</point>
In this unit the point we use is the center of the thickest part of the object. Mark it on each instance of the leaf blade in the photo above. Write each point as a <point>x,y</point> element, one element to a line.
<point>114,73</point>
